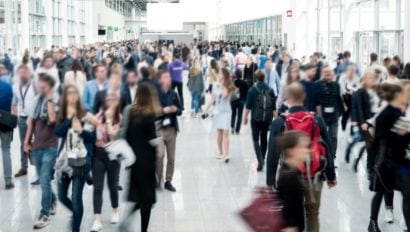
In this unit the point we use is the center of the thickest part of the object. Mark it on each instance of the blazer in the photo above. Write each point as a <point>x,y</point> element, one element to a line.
<point>279,66</point>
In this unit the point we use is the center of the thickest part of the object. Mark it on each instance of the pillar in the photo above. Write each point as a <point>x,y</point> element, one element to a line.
<point>407,32</point>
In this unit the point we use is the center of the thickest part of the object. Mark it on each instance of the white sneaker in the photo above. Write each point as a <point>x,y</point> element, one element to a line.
<point>115,217</point>
<point>97,226</point>
<point>389,216</point>
<point>227,158</point>
<point>220,156</point>
<point>41,222</point>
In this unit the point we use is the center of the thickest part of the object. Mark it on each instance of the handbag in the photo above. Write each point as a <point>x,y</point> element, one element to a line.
<point>75,150</point>
<point>264,214</point>
<point>120,150</point>
<point>8,121</point>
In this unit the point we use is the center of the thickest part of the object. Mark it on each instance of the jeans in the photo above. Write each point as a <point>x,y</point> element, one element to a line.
<point>196,101</point>
<point>75,204</point>
<point>332,130</point>
<point>260,139</point>
<point>22,125</point>
<point>236,118</point>
<point>44,160</point>
<point>101,165</point>
<point>403,185</point>
<point>6,138</point>
<point>169,136</point>
<point>179,86</point>
<point>312,194</point>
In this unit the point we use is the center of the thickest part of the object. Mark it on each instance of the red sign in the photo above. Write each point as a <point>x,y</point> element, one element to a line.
<point>289,13</point>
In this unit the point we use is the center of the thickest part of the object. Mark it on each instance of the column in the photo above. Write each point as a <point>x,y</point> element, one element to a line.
<point>407,32</point>
<point>8,17</point>
<point>25,26</point>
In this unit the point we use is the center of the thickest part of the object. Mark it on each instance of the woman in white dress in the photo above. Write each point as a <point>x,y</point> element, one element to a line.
<point>221,102</point>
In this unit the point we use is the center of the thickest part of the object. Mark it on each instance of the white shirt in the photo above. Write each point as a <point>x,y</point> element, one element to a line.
<point>133,92</point>
<point>23,98</point>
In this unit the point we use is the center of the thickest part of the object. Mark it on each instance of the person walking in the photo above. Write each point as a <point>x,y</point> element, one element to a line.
<point>312,183</point>
<point>43,147</point>
<point>238,102</point>
<point>6,132</point>
<point>171,108</point>
<point>109,119</point>
<point>141,135</point>
<point>195,86</point>
<point>260,101</point>
<point>222,112</point>
<point>23,96</point>
<point>75,128</point>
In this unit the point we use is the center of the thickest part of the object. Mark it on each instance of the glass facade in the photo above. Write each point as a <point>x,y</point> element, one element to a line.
<point>37,20</point>
<point>265,31</point>
<point>57,21</point>
<point>124,7</point>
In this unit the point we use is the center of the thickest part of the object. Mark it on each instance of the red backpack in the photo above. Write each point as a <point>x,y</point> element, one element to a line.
<point>306,122</point>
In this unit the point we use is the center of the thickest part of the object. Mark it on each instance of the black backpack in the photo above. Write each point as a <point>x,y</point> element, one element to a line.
<point>264,106</point>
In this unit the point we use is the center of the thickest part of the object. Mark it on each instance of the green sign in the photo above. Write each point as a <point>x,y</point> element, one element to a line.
<point>115,28</point>
<point>109,28</point>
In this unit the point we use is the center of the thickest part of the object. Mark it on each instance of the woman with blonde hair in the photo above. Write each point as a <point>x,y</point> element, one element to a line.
<point>222,111</point>
<point>195,86</point>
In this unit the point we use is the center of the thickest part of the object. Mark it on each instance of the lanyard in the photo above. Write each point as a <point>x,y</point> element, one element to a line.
<point>23,95</point>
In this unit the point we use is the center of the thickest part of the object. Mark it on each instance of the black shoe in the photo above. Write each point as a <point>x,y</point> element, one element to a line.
<point>89,180</point>
<point>232,131</point>
<point>168,186</point>
<point>119,188</point>
<point>36,182</point>
<point>9,186</point>
<point>373,227</point>
<point>260,167</point>
<point>355,165</point>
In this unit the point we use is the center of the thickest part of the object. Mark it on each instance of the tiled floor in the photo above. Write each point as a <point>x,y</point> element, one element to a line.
<point>210,192</point>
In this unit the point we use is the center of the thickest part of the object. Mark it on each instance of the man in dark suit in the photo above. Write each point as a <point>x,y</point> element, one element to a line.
<point>129,89</point>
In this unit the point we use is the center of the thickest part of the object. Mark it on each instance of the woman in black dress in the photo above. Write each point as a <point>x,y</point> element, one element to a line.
<point>142,138</point>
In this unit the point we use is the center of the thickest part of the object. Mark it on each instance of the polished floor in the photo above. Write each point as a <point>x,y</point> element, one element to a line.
<point>209,192</point>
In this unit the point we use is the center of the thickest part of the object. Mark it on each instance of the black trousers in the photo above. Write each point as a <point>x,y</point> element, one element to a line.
<point>180,92</point>
<point>145,217</point>
<point>260,139</point>
<point>236,118</point>
<point>403,185</point>
<point>377,201</point>
<point>101,165</point>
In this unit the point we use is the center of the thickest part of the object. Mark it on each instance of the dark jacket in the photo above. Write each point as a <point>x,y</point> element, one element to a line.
<point>253,94</point>
<point>243,89</point>
<point>388,151</point>
<point>290,191</point>
<point>274,152</point>
<point>310,90</point>
<point>170,98</point>
<point>139,134</point>
<point>63,66</point>
<point>196,83</point>
<point>362,106</point>
<point>249,73</point>
<point>126,94</point>
<point>100,98</point>
<point>328,96</point>
<point>89,137</point>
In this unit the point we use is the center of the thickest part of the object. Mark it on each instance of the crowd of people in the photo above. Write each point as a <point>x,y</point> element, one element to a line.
<point>71,104</point>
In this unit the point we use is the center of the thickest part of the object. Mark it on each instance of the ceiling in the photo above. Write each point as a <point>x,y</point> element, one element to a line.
<point>142,4</point>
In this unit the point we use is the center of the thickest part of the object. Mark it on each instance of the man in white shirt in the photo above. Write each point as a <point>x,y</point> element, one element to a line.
<point>23,96</point>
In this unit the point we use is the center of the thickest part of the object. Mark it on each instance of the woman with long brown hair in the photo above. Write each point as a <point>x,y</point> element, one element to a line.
<point>222,111</point>
<point>142,138</point>
<point>109,119</point>
<point>293,75</point>
<point>75,128</point>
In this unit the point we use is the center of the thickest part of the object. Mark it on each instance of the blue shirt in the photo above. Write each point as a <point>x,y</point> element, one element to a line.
<point>90,91</point>
<point>175,69</point>
<point>262,61</point>
<point>6,96</point>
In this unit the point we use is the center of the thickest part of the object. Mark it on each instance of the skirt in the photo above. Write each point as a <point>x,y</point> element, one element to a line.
<point>222,121</point>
